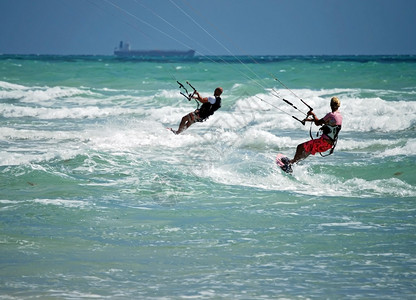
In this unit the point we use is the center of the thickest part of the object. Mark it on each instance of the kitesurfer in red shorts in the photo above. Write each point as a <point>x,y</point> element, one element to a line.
<point>331,126</point>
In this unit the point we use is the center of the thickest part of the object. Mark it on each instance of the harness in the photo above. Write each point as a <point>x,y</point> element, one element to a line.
<point>207,109</point>
<point>332,133</point>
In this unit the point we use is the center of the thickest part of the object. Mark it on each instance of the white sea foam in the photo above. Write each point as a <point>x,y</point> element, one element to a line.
<point>263,110</point>
<point>39,95</point>
<point>63,202</point>
<point>393,187</point>
<point>45,113</point>
<point>303,182</point>
<point>408,149</point>
<point>236,146</point>
<point>11,86</point>
<point>359,114</point>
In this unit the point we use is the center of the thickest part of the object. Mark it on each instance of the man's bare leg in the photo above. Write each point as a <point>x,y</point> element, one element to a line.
<point>185,123</point>
<point>300,154</point>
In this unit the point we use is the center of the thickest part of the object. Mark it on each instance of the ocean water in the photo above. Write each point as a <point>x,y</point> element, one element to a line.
<point>99,200</point>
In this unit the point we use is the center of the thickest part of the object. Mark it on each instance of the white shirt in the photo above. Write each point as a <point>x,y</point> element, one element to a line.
<point>211,99</point>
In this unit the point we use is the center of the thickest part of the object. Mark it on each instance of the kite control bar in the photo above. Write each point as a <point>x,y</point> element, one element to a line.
<point>290,103</point>
<point>187,94</point>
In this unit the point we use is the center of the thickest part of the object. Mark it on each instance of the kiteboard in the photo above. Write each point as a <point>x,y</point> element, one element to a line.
<point>283,162</point>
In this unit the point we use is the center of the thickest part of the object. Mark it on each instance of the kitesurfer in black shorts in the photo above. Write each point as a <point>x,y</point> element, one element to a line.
<point>209,106</point>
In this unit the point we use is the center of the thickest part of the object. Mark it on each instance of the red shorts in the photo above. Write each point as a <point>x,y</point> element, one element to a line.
<point>318,145</point>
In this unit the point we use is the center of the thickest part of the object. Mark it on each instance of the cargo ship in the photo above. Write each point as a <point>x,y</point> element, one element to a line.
<point>124,50</point>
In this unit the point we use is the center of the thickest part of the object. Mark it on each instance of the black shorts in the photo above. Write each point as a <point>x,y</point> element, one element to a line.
<point>194,117</point>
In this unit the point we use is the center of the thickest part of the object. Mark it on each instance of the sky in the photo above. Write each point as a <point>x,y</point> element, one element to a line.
<point>211,27</point>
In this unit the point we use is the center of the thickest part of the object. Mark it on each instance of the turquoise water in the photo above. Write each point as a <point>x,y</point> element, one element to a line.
<point>99,200</point>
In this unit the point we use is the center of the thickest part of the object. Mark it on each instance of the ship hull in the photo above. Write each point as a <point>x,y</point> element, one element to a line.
<point>154,53</point>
